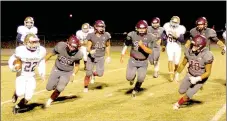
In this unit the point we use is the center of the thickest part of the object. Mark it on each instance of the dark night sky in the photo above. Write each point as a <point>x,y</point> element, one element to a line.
<point>53,17</point>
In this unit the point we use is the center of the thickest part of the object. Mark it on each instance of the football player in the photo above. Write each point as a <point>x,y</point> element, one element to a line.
<point>141,42</point>
<point>156,30</point>
<point>200,61</point>
<point>209,33</point>
<point>31,54</point>
<point>82,34</point>
<point>23,30</point>
<point>173,36</point>
<point>66,65</point>
<point>98,43</point>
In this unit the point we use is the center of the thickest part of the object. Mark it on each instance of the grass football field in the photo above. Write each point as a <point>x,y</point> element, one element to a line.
<point>109,98</point>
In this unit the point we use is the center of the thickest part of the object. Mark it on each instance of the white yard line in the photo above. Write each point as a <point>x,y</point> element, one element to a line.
<point>8,101</point>
<point>219,114</point>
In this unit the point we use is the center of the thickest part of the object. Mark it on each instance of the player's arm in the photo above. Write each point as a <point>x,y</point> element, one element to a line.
<point>108,48</point>
<point>53,53</point>
<point>213,36</point>
<point>163,40</point>
<point>208,71</point>
<point>76,67</point>
<point>89,44</point>
<point>182,65</point>
<point>127,42</point>
<point>19,34</point>
<point>146,49</point>
<point>188,42</point>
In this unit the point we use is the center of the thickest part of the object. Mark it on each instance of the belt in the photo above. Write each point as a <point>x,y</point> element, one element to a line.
<point>139,59</point>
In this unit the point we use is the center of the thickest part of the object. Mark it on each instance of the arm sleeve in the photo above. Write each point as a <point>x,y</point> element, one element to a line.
<point>213,35</point>
<point>128,39</point>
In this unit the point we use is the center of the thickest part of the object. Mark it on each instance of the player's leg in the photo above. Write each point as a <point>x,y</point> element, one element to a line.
<point>52,83</point>
<point>14,97</point>
<point>177,56</point>
<point>30,85</point>
<point>170,53</point>
<point>131,71</point>
<point>156,62</point>
<point>63,81</point>
<point>151,58</point>
<point>20,91</point>
<point>53,79</point>
<point>184,86</point>
<point>142,71</point>
<point>89,72</point>
<point>99,69</point>
<point>84,51</point>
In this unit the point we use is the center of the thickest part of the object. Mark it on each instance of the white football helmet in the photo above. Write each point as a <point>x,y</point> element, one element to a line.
<point>85,27</point>
<point>175,22</point>
<point>31,41</point>
<point>29,22</point>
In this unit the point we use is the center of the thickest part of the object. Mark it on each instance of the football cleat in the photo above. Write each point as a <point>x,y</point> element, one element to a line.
<point>48,103</point>
<point>155,75</point>
<point>134,92</point>
<point>85,90</point>
<point>176,106</point>
<point>15,109</point>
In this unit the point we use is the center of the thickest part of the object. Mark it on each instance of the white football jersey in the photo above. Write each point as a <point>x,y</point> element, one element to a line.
<point>224,35</point>
<point>81,35</point>
<point>23,30</point>
<point>30,60</point>
<point>169,30</point>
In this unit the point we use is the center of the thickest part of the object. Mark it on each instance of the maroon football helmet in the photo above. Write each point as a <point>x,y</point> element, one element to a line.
<point>73,43</point>
<point>198,43</point>
<point>155,22</point>
<point>201,23</point>
<point>100,26</point>
<point>141,27</point>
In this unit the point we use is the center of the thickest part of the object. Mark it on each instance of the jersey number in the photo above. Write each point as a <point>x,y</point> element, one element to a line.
<point>30,66</point>
<point>194,65</point>
<point>170,38</point>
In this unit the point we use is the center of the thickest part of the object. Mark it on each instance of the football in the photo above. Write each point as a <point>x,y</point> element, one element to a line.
<point>18,64</point>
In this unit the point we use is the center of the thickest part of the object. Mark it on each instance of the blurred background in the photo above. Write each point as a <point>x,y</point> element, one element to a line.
<point>57,20</point>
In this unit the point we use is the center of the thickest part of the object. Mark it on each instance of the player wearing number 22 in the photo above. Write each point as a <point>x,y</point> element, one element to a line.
<point>200,61</point>
<point>69,56</point>
<point>141,42</point>
<point>30,54</point>
<point>172,37</point>
<point>98,43</point>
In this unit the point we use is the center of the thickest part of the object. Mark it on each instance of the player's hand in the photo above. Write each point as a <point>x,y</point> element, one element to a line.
<point>121,59</point>
<point>108,59</point>
<point>16,68</point>
<point>223,51</point>
<point>194,80</point>
<point>93,51</point>
<point>163,48</point>
<point>140,43</point>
